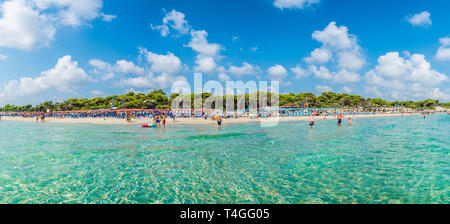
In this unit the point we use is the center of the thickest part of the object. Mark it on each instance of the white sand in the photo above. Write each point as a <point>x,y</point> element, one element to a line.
<point>189,121</point>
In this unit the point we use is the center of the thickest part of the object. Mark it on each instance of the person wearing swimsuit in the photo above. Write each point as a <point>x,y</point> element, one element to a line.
<point>219,121</point>
<point>311,122</point>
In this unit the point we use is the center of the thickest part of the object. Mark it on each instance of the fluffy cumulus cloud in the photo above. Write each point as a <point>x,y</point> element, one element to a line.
<point>299,72</point>
<point>277,72</point>
<point>173,20</point>
<point>443,53</point>
<point>199,43</point>
<point>23,27</point>
<point>153,70</point>
<point>163,70</point>
<point>25,24</point>
<point>164,63</point>
<point>319,56</point>
<point>405,77</point>
<point>336,37</point>
<point>420,19</point>
<point>108,71</point>
<point>128,67</point>
<point>296,4</point>
<point>208,54</point>
<point>205,64</point>
<point>245,69</point>
<point>321,72</point>
<point>66,76</point>
<point>339,50</point>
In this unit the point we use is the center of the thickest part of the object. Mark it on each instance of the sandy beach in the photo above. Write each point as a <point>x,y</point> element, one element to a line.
<point>191,121</point>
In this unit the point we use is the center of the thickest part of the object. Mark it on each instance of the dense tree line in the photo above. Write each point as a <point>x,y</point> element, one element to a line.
<point>157,99</point>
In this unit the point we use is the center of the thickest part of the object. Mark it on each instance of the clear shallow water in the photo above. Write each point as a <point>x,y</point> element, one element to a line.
<point>383,160</point>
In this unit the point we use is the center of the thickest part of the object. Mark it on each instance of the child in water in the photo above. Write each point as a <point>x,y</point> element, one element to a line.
<point>349,121</point>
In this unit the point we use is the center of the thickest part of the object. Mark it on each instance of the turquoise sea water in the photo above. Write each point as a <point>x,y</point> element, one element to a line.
<point>381,160</point>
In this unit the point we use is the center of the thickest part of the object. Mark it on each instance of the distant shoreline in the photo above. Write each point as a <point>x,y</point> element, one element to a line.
<point>191,121</point>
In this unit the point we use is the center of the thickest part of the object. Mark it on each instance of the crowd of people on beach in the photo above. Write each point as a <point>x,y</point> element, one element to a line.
<point>160,117</point>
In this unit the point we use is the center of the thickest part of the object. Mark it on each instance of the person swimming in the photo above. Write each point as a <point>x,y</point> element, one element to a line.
<point>311,122</point>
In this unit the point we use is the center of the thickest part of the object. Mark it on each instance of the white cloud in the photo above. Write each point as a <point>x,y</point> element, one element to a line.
<point>322,89</point>
<point>69,12</point>
<point>128,67</point>
<point>340,50</point>
<point>108,18</point>
<point>299,72</point>
<point>205,64</point>
<point>254,49</point>
<point>391,65</point>
<point>319,56</point>
<point>277,72</point>
<point>23,27</point>
<point>27,24</point>
<point>160,63</point>
<point>245,69</point>
<point>334,37</point>
<point>108,71</point>
<point>162,72</point>
<point>321,73</point>
<point>351,60</point>
<point>297,4</point>
<point>406,77</point>
<point>342,77</point>
<point>138,82</point>
<point>66,76</point>
<point>345,76</point>
<point>413,69</point>
<point>443,54</point>
<point>3,57</point>
<point>175,20</point>
<point>151,81</point>
<point>224,77</point>
<point>200,44</point>
<point>420,19</point>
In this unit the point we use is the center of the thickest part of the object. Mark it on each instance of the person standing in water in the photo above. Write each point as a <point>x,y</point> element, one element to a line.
<point>157,121</point>
<point>311,122</point>
<point>339,118</point>
<point>350,121</point>
<point>164,121</point>
<point>219,121</point>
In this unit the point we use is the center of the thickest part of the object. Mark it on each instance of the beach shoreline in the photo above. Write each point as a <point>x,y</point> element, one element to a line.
<point>193,121</point>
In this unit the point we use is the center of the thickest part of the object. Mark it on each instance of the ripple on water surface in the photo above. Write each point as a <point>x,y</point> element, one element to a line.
<point>383,160</point>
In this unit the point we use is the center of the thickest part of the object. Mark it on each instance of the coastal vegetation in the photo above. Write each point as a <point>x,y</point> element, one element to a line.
<point>157,99</point>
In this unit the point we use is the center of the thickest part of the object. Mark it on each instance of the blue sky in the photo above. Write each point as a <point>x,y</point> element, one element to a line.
<point>54,50</point>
